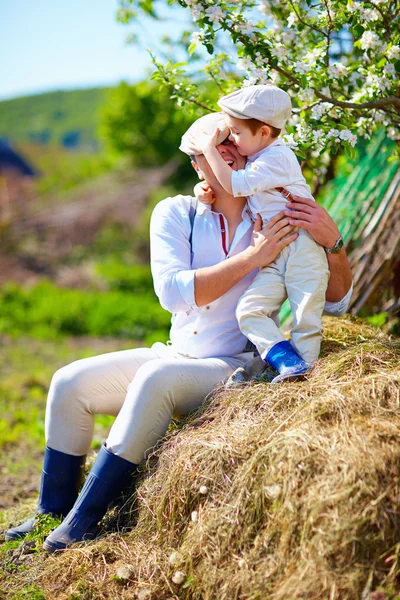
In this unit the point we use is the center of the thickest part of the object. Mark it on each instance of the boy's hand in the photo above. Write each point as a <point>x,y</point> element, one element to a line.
<point>202,141</point>
<point>204,193</point>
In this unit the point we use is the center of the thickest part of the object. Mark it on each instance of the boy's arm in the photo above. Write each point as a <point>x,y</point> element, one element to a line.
<point>208,146</point>
<point>221,169</point>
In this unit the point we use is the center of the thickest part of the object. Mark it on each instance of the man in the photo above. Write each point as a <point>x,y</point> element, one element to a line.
<point>200,270</point>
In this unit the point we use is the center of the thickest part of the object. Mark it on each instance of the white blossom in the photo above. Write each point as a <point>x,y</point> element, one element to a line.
<point>197,37</point>
<point>306,95</point>
<point>389,69</point>
<point>247,28</point>
<point>333,133</point>
<point>318,110</point>
<point>215,14</point>
<point>288,36</point>
<point>346,135</point>
<point>279,51</point>
<point>317,134</point>
<point>393,52</point>
<point>368,15</point>
<point>393,133</point>
<point>337,70</point>
<point>301,67</point>
<point>264,7</point>
<point>244,63</point>
<point>275,78</point>
<point>370,40</point>
<point>291,19</point>
<point>290,141</point>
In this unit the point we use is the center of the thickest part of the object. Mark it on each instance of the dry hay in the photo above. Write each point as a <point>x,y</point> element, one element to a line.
<point>302,495</point>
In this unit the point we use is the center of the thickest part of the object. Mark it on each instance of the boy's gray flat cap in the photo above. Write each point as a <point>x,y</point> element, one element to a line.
<point>207,124</point>
<point>267,103</point>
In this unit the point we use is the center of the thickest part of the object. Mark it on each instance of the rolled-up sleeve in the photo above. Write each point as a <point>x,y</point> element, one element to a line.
<point>170,253</point>
<point>338,309</point>
<point>260,175</point>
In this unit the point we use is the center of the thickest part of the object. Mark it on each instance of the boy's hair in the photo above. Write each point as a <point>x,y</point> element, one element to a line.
<point>254,125</point>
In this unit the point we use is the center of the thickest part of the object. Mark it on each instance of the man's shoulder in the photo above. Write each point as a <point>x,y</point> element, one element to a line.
<point>173,205</point>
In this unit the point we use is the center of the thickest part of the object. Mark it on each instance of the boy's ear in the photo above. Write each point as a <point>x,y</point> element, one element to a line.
<point>265,131</point>
<point>196,168</point>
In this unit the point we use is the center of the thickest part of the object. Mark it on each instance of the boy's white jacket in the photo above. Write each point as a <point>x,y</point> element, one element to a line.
<point>206,331</point>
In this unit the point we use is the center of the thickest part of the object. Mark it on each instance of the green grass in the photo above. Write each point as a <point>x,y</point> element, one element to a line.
<point>47,312</point>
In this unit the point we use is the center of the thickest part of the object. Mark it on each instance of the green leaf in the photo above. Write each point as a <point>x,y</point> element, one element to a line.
<point>192,48</point>
<point>210,48</point>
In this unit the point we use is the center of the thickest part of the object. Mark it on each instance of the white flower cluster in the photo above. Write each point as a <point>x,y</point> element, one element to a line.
<point>337,70</point>
<point>371,41</point>
<point>374,83</point>
<point>264,7</point>
<point>301,67</point>
<point>291,19</point>
<point>215,14</point>
<point>279,51</point>
<point>290,141</point>
<point>306,95</point>
<point>256,76</point>
<point>393,52</point>
<point>246,27</point>
<point>319,110</point>
<point>346,135</point>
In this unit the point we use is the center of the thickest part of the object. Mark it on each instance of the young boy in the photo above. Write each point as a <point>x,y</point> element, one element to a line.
<point>255,116</point>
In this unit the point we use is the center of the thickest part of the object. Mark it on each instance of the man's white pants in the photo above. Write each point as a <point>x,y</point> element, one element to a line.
<point>299,273</point>
<point>143,388</point>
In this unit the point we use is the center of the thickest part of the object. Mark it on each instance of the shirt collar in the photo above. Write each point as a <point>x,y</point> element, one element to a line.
<point>203,208</point>
<point>277,142</point>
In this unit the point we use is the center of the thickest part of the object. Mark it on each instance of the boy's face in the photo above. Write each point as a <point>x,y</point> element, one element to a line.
<point>244,139</point>
<point>231,155</point>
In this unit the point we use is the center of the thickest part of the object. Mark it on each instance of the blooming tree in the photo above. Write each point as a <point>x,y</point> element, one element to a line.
<point>338,60</point>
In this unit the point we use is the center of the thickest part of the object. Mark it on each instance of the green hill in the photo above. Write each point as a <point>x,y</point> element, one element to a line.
<point>67,119</point>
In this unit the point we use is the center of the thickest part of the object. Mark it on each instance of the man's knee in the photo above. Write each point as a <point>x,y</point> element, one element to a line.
<point>156,377</point>
<point>65,386</point>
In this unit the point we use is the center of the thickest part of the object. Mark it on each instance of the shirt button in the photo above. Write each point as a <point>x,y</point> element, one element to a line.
<point>195,332</point>
<point>207,307</point>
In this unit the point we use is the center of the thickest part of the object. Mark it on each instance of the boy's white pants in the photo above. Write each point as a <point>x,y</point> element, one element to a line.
<point>299,273</point>
<point>143,388</point>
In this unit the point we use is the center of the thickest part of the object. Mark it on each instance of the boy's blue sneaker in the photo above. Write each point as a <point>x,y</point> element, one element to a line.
<point>284,359</point>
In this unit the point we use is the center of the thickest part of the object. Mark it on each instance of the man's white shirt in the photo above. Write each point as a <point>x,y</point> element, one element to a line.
<point>211,330</point>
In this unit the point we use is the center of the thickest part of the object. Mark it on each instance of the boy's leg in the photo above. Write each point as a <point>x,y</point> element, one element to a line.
<point>86,387</point>
<point>257,309</point>
<point>161,389</point>
<point>307,276</point>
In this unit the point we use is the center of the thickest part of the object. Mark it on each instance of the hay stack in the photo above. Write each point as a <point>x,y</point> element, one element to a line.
<point>283,493</point>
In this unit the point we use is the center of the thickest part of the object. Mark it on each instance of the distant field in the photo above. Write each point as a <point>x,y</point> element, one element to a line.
<point>67,119</point>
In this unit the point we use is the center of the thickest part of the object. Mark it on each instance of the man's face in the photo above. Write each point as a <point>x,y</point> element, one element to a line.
<point>229,153</point>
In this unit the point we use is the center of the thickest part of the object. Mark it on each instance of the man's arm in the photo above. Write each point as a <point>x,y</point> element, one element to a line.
<point>312,217</point>
<point>213,282</point>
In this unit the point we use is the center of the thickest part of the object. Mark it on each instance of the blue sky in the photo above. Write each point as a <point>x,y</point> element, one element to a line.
<point>59,44</point>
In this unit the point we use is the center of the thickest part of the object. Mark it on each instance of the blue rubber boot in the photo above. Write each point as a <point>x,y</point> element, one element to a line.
<point>284,358</point>
<point>61,478</point>
<point>109,475</point>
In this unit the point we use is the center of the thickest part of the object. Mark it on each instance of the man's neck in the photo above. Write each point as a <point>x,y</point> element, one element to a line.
<point>226,204</point>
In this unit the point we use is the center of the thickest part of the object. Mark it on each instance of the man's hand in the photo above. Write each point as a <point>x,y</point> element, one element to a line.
<point>268,242</point>
<point>312,217</point>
